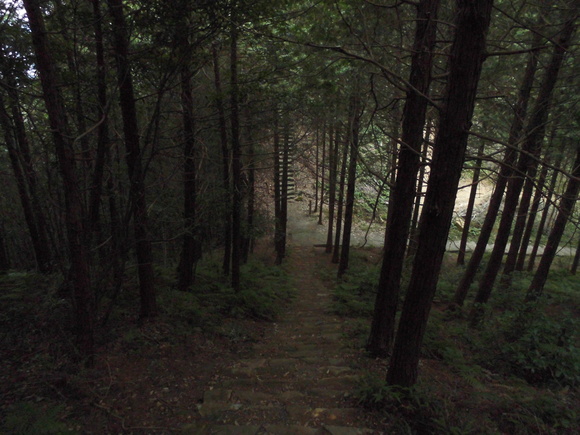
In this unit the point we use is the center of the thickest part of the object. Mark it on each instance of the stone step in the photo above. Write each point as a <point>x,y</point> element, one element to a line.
<point>273,429</point>
<point>344,382</point>
<point>274,413</point>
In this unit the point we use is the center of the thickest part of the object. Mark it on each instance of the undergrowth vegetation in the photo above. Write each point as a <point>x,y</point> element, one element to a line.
<point>518,373</point>
<point>38,371</point>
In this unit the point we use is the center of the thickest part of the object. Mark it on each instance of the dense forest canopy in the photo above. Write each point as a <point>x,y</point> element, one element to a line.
<point>139,135</point>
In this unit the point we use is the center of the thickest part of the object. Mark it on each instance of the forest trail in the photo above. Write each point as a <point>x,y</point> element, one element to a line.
<point>300,378</point>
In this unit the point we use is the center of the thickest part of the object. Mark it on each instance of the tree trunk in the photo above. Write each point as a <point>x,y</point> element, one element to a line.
<point>356,113</point>
<point>505,172</point>
<point>564,212</point>
<point>532,145</point>
<point>19,149</point>
<point>521,217</point>
<point>470,205</point>
<point>249,236</point>
<point>414,234</point>
<point>316,172</point>
<point>96,186</point>
<point>236,156</point>
<point>191,250</point>
<point>4,259</point>
<point>333,149</point>
<point>225,162</point>
<point>79,259</point>
<point>41,252</point>
<point>278,236</point>
<point>467,54</point>
<point>284,194</point>
<point>543,218</point>
<point>133,159</point>
<point>531,220</point>
<point>340,204</point>
<point>322,167</point>
<point>403,194</point>
<point>574,266</point>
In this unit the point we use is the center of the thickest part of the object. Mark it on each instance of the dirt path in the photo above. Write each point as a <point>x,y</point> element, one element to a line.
<point>299,379</point>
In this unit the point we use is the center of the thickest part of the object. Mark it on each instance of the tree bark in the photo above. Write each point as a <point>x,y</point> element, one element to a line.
<point>278,236</point>
<point>21,160</point>
<point>521,259</point>
<point>236,156</point>
<point>403,194</point>
<point>284,189</point>
<point>470,205</point>
<point>79,258</point>
<point>316,173</point>
<point>333,147</point>
<point>322,167</point>
<point>225,161</point>
<point>191,249</point>
<point>356,113</point>
<point>543,218</point>
<point>251,207</point>
<point>4,259</point>
<point>520,223</point>
<point>576,261</point>
<point>96,186</point>
<point>505,172</point>
<point>340,202</point>
<point>564,212</point>
<point>40,247</point>
<point>467,55</point>
<point>133,159</point>
<point>419,194</point>
<point>532,145</point>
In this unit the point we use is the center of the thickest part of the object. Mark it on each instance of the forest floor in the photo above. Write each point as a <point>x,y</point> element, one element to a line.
<point>305,372</point>
<point>295,375</point>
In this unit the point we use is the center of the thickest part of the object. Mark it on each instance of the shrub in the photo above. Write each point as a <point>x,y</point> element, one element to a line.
<point>534,346</point>
<point>28,418</point>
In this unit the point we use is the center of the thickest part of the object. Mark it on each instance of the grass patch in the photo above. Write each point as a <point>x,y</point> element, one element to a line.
<point>518,374</point>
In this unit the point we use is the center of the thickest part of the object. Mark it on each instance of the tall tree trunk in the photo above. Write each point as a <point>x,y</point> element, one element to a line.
<point>73,67</point>
<point>316,172</point>
<point>520,223</point>
<point>532,145</point>
<point>414,233</point>
<point>467,55</point>
<point>249,236</point>
<point>103,128</point>
<point>322,167</point>
<point>544,217</point>
<point>79,259</point>
<point>236,156</point>
<point>191,250</point>
<point>521,259</point>
<point>278,236</point>
<point>576,261</point>
<point>40,247</point>
<point>470,206</point>
<point>225,161</point>
<point>333,149</point>
<point>564,212</point>
<point>134,161</point>
<point>340,202</point>
<point>19,149</point>
<point>4,259</point>
<point>284,190</point>
<point>505,172</point>
<point>392,176</point>
<point>356,113</point>
<point>403,194</point>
